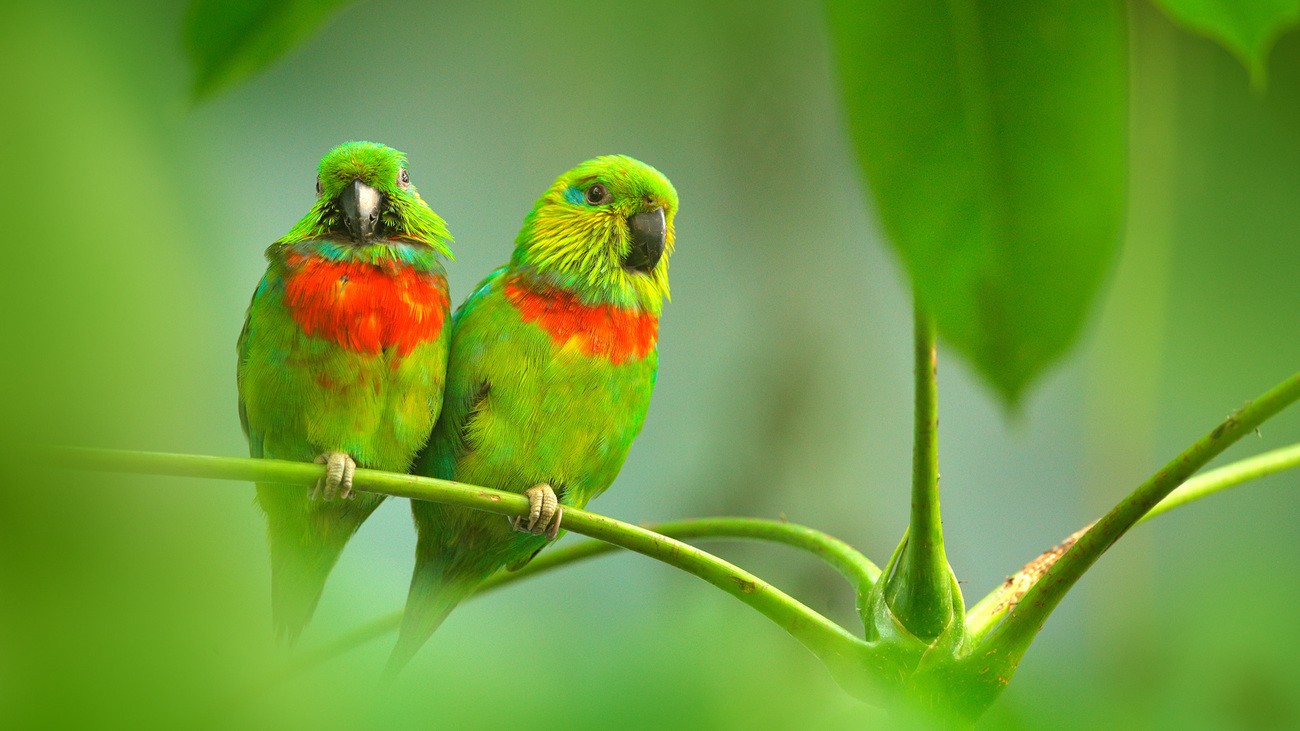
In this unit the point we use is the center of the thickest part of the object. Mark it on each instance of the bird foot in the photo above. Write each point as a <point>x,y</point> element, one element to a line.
<point>544,513</point>
<point>339,469</point>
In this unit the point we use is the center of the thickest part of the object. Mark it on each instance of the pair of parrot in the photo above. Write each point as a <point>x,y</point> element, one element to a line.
<point>537,385</point>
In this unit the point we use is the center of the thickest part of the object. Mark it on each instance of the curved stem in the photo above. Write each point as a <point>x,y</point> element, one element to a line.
<point>842,557</point>
<point>1229,475</point>
<point>1010,639</point>
<point>845,559</point>
<point>824,638</point>
<point>855,567</point>
<point>992,608</point>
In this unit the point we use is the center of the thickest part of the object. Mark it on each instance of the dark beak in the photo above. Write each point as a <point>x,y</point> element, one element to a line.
<point>360,204</point>
<point>649,232</point>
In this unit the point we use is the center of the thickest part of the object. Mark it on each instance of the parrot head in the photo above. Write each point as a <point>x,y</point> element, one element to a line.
<point>604,230</point>
<point>365,199</point>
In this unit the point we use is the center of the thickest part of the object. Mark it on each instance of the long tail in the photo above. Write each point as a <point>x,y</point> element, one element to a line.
<point>436,589</point>
<point>298,575</point>
<point>306,540</point>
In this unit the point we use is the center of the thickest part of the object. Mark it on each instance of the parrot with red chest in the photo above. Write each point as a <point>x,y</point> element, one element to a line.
<point>553,360</point>
<point>342,360</point>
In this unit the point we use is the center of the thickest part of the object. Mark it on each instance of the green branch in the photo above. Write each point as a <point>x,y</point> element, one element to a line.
<point>1006,644</point>
<point>991,609</point>
<point>834,645</point>
<point>1229,475</point>
<point>919,590</point>
<point>855,567</point>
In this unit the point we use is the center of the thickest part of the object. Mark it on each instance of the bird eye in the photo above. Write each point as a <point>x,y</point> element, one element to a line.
<point>320,189</point>
<point>403,179</point>
<point>597,194</point>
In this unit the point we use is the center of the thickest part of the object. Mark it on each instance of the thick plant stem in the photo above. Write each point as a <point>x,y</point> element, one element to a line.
<point>992,608</point>
<point>1010,639</point>
<point>834,645</point>
<point>919,591</point>
<point>925,449</point>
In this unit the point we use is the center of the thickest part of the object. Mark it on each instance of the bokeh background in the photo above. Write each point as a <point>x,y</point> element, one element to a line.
<point>134,223</point>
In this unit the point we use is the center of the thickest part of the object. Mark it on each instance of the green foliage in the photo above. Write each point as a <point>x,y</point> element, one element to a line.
<point>230,40</point>
<point>992,135</point>
<point>99,606</point>
<point>1248,28</point>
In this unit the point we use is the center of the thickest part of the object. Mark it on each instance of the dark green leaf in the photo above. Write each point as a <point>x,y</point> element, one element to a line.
<point>993,137</point>
<point>1248,28</point>
<point>228,40</point>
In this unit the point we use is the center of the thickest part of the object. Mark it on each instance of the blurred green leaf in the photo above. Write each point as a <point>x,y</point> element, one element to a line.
<point>993,136</point>
<point>228,40</point>
<point>1247,28</point>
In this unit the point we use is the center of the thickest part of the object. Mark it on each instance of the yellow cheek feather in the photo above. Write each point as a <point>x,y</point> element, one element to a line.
<point>575,348</point>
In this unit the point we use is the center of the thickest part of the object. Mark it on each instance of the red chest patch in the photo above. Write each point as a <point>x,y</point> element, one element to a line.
<point>363,307</point>
<point>604,330</point>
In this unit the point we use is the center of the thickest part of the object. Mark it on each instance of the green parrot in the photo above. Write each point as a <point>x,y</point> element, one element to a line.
<point>342,360</point>
<point>552,363</point>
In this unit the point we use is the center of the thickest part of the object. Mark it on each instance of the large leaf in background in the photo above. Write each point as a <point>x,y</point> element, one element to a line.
<point>1248,28</point>
<point>228,40</point>
<point>993,136</point>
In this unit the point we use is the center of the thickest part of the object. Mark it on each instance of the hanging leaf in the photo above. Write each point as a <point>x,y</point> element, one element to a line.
<point>992,135</point>
<point>229,40</point>
<point>1247,28</point>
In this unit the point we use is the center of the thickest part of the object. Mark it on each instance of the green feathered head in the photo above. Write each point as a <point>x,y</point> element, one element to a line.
<point>603,231</point>
<point>365,200</point>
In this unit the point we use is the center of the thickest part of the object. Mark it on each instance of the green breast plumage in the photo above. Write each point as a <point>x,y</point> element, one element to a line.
<point>540,389</point>
<point>345,356</point>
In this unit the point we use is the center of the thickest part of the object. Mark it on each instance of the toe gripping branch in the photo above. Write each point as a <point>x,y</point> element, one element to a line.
<point>544,513</point>
<point>337,480</point>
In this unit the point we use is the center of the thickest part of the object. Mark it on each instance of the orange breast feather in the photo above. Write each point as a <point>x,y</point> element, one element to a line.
<point>364,307</point>
<point>611,332</point>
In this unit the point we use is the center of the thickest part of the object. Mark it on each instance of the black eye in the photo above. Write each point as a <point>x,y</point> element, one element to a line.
<point>320,189</point>
<point>597,194</point>
<point>403,179</point>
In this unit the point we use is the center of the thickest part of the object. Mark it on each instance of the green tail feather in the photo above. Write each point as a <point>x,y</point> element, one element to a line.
<point>306,539</point>
<point>435,591</point>
<point>297,581</point>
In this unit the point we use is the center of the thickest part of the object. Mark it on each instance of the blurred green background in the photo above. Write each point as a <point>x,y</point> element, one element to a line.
<point>135,223</point>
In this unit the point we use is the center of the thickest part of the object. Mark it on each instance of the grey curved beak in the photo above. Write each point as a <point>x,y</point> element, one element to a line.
<point>360,204</point>
<point>649,234</point>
